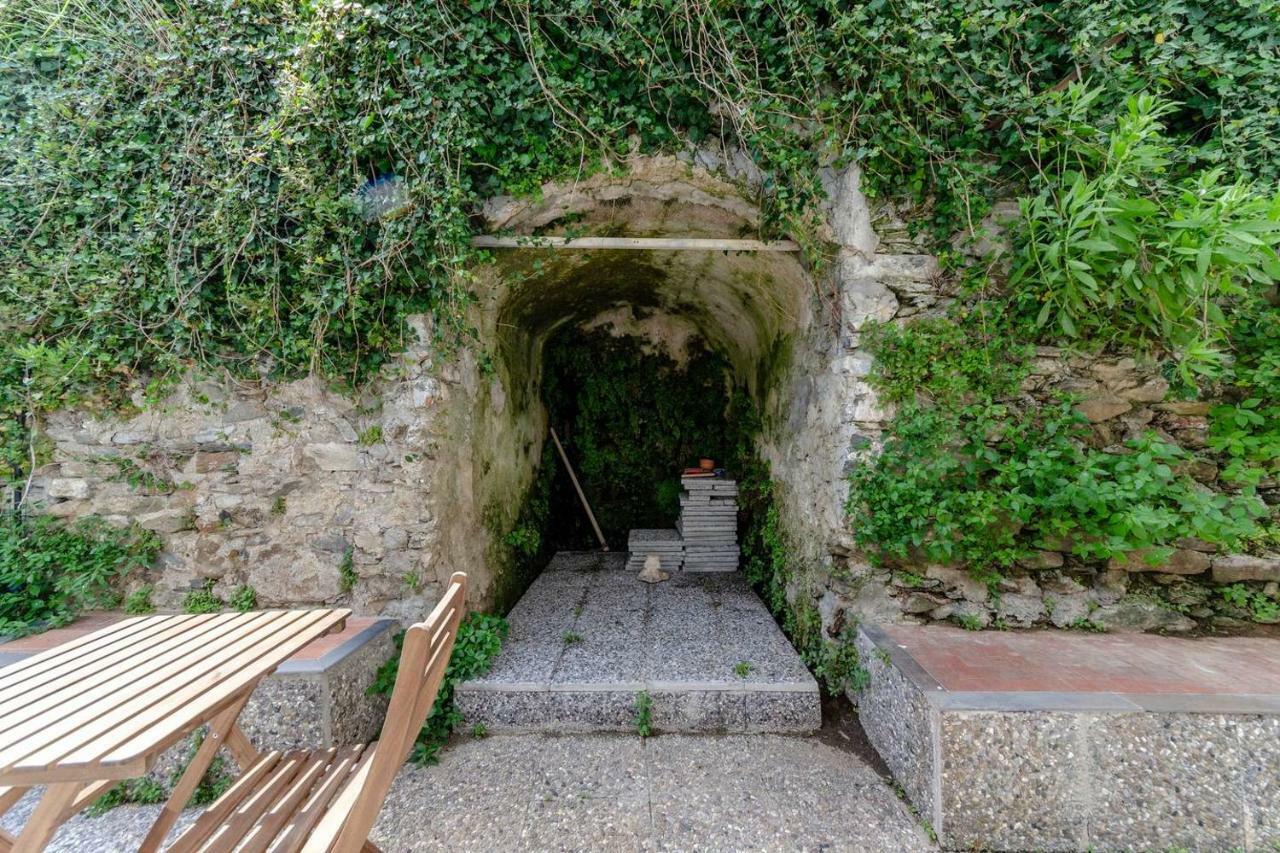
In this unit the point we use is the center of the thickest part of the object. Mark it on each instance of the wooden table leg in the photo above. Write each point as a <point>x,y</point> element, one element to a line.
<point>9,797</point>
<point>45,819</point>
<point>219,728</point>
<point>242,749</point>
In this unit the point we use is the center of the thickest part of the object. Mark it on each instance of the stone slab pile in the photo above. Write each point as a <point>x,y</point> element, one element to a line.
<point>709,524</point>
<point>664,542</point>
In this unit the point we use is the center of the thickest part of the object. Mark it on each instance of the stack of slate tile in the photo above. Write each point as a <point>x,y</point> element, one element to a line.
<point>709,524</point>
<point>664,542</point>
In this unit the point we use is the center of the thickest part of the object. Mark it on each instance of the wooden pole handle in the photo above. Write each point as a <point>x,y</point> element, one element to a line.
<point>604,546</point>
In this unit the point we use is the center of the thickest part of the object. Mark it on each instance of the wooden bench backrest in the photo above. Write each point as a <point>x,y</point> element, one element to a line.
<point>423,658</point>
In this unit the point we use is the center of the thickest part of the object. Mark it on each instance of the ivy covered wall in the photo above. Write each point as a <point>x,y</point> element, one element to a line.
<point>180,199</point>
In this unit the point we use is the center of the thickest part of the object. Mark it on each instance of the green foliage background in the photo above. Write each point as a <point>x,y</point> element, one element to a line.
<point>177,186</point>
<point>630,420</point>
<point>176,176</point>
<point>49,571</point>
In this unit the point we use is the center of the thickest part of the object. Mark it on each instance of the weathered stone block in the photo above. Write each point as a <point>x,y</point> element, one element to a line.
<point>1183,561</point>
<point>68,487</point>
<point>907,273</point>
<point>1140,614</point>
<point>204,462</point>
<point>334,456</point>
<point>1185,407</point>
<point>959,579</point>
<point>1103,407</point>
<point>1151,391</point>
<point>1040,560</point>
<point>167,521</point>
<point>1230,568</point>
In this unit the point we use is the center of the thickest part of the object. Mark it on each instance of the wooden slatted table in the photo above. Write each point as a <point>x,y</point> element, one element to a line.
<point>84,715</point>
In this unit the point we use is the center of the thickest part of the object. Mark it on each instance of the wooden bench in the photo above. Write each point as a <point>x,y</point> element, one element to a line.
<point>328,800</point>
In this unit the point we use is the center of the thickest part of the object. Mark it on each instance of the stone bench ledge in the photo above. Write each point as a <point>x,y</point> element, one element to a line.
<point>1061,740</point>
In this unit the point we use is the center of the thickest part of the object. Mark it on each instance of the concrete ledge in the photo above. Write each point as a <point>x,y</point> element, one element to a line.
<point>1098,769</point>
<point>603,709</point>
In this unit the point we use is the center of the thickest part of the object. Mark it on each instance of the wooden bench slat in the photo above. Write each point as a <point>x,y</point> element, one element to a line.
<point>15,674</point>
<point>331,823</point>
<point>188,706</point>
<point>239,823</point>
<point>168,671</point>
<point>86,737</point>
<point>295,835</point>
<point>219,809</point>
<point>281,812</point>
<point>129,669</point>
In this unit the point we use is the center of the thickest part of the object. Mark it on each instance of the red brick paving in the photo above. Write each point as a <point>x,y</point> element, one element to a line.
<point>1062,661</point>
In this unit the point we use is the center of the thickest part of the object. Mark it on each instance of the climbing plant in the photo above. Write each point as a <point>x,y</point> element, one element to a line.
<point>969,475</point>
<point>178,178</point>
<point>50,571</point>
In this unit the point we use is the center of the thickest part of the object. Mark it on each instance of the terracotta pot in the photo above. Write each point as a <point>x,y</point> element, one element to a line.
<point>707,464</point>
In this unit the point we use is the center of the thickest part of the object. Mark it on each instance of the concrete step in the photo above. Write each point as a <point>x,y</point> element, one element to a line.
<point>588,639</point>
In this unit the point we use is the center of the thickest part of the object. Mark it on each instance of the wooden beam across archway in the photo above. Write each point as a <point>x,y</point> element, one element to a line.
<point>703,244</point>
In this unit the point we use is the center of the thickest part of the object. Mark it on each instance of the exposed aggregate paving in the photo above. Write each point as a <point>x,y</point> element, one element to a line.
<point>607,792</point>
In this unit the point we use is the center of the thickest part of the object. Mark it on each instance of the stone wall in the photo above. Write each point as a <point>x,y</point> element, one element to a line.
<point>311,496</point>
<point>883,278</point>
<point>305,494</point>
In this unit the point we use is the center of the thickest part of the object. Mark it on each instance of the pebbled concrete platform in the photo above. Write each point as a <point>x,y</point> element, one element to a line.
<point>1058,740</point>
<point>588,638</point>
<point>605,793</point>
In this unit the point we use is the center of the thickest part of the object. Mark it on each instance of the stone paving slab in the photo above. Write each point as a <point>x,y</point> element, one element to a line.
<point>704,647</point>
<point>1066,741</point>
<point>604,793</point>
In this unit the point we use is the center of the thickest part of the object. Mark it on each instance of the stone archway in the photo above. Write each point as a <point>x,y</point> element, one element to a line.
<point>312,495</point>
<point>766,312</point>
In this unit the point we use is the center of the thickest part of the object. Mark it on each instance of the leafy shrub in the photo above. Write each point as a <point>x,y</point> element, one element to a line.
<point>202,600</point>
<point>138,602</point>
<point>244,598</point>
<point>1246,428</point>
<point>141,791</point>
<point>49,570</point>
<point>479,641</point>
<point>972,353</point>
<point>1115,241</point>
<point>1254,602</point>
<point>967,477</point>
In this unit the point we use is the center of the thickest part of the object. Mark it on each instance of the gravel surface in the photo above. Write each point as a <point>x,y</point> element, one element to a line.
<point>608,792</point>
